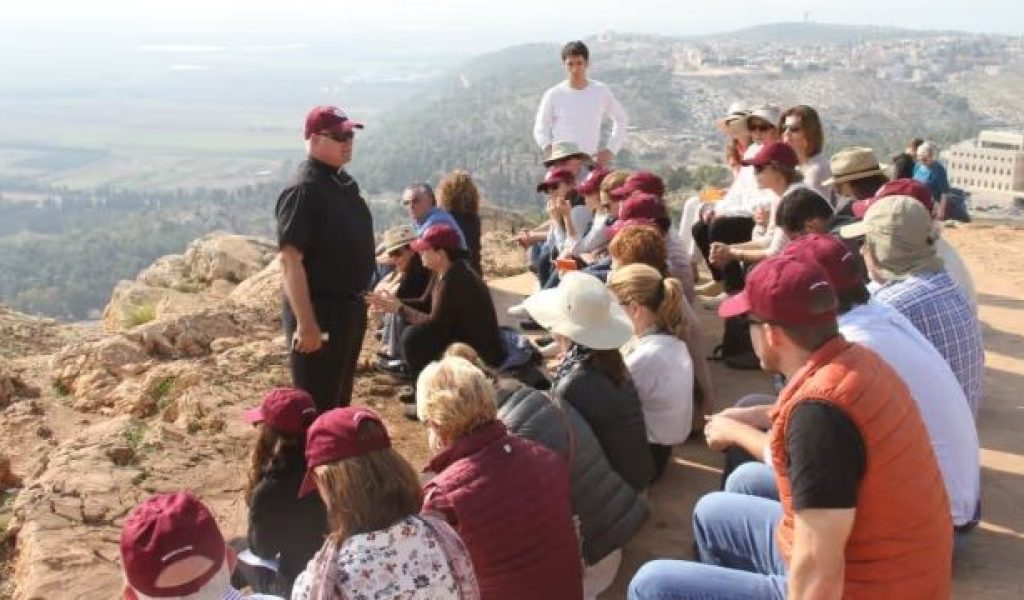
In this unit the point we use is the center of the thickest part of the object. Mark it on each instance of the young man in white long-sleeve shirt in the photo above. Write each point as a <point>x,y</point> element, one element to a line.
<point>573,110</point>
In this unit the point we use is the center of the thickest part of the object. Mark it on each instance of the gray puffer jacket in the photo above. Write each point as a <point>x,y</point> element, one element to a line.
<point>610,511</point>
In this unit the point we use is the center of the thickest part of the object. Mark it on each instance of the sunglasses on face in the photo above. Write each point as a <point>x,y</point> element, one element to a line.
<point>761,127</point>
<point>793,128</point>
<point>341,138</point>
<point>760,168</point>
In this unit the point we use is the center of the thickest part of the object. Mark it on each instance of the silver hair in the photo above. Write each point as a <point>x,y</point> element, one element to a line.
<point>927,149</point>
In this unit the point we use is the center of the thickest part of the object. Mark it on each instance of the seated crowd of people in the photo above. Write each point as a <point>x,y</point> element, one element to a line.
<point>859,478</point>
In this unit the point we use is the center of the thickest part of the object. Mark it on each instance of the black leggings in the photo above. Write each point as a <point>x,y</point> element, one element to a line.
<point>660,453</point>
<point>727,230</point>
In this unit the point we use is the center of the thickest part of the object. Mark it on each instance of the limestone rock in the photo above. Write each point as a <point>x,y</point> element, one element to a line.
<point>233,258</point>
<point>12,386</point>
<point>261,292</point>
<point>7,477</point>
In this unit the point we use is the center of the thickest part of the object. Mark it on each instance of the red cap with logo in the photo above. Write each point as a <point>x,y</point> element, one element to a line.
<point>787,291</point>
<point>776,152</point>
<point>164,530</point>
<point>335,436</point>
<point>288,410</point>
<point>328,119</point>
<point>554,176</point>
<point>841,265</point>
<point>638,209</point>
<point>435,237</point>
<point>897,187</point>
<point>641,181</point>
<point>592,184</point>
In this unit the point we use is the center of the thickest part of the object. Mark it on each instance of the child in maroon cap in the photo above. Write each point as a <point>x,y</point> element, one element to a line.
<point>282,526</point>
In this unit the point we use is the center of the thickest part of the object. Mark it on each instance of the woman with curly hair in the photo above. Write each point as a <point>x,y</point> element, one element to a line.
<point>457,194</point>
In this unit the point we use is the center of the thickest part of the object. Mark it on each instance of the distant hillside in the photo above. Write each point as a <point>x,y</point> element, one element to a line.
<point>810,32</point>
<point>480,116</point>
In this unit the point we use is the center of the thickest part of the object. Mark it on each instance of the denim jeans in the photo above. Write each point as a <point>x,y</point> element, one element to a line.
<point>753,479</point>
<point>735,539</point>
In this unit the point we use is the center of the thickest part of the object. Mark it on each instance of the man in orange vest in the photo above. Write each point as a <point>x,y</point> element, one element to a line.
<point>862,511</point>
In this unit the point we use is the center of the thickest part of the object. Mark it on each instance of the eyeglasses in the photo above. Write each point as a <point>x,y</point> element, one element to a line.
<point>341,138</point>
<point>793,128</point>
<point>410,202</point>
<point>761,127</point>
<point>395,253</point>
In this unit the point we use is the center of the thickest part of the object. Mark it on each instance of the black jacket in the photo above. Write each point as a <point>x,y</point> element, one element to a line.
<point>282,523</point>
<point>610,511</point>
<point>614,414</point>
<point>469,223</point>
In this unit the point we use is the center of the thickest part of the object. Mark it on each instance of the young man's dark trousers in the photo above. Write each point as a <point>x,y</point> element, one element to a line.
<point>727,230</point>
<point>329,373</point>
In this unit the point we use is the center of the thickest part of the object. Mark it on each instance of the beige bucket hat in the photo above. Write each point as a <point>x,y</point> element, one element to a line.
<point>850,164</point>
<point>560,150</point>
<point>395,238</point>
<point>582,309</point>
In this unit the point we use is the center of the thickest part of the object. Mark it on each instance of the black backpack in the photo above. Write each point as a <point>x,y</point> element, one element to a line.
<point>736,349</point>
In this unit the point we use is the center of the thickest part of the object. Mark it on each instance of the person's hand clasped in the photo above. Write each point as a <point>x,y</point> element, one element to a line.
<point>720,254</point>
<point>308,339</point>
<point>384,301</point>
<point>718,431</point>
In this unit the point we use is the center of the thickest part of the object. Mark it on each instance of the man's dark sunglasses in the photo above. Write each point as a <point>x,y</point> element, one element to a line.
<point>341,138</point>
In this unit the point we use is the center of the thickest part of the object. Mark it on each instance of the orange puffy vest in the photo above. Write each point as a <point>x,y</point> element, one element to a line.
<point>901,545</point>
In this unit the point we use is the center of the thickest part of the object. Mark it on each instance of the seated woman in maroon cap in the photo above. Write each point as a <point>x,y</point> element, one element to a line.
<point>379,546</point>
<point>282,526</point>
<point>457,307</point>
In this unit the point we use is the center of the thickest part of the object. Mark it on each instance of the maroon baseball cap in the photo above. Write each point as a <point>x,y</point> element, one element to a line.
<point>840,264</point>
<point>554,176</point>
<point>897,187</point>
<point>592,183</point>
<point>334,436</point>
<point>437,236</point>
<point>328,119</point>
<point>288,410</point>
<point>638,209</point>
<point>785,290</point>
<point>164,530</point>
<point>776,152</point>
<point>641,181</point>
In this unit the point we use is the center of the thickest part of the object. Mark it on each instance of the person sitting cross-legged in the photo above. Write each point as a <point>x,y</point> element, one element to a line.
<point>862,512</point>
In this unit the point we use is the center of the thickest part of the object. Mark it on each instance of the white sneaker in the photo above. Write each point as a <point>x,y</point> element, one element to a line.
<point>518,311</point>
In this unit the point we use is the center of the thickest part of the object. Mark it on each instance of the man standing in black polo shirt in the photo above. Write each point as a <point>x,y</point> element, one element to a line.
<point>325,236</point>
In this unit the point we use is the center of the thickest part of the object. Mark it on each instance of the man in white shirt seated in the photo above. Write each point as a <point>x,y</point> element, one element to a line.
<point>574,110</point>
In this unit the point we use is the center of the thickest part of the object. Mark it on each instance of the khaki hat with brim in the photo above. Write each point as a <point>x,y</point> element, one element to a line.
<point>735,121</point>
<point>562,150</point>
<point>850,164</point>
<point>395,238</point>
<point>582,309</point>
<point>898,231</point>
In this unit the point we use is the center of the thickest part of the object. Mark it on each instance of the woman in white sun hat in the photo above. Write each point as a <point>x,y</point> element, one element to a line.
<point>588,322</point>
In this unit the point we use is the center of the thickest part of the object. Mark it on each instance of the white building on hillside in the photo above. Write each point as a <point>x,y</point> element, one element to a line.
<point>990,167</point>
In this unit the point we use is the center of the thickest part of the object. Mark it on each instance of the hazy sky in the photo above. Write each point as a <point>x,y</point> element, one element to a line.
<point>474,26</point>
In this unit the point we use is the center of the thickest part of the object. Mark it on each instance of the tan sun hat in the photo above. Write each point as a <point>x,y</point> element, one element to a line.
<point>735,121</point>
<point>560,150</point>
<point>898,232</point>
<point>582,309</point>
<point>395,238</point>
<point>766,112</point>
<point>850,164</point>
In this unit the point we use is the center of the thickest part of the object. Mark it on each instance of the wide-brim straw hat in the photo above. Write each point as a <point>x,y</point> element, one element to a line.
<point>582,309</point>
<point>560,150</point>
<point>851,164</point>
<point>766,112</point>
<point>395,238</point>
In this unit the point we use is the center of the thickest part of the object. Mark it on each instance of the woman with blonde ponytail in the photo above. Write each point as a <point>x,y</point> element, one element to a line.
<point>658,360</point>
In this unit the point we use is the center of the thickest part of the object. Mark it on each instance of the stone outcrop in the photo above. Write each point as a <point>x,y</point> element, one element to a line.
<point>178,284</point>
<point>12,386</point>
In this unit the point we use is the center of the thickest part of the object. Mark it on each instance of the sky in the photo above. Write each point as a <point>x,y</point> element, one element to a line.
<point>473,26</point>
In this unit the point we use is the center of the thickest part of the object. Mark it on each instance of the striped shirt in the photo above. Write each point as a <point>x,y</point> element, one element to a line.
<point>941,312</point>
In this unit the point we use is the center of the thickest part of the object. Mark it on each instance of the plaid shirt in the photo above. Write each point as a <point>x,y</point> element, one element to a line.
<point>940,311</point>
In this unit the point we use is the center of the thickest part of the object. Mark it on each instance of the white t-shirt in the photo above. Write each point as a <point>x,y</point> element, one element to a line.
<point>744,195</point>
<point>936,391</point>
<point>662,372</point>
<point>570,115</point>
<point>956,268</point>
<point>559,238</point>
<point>815,172</point>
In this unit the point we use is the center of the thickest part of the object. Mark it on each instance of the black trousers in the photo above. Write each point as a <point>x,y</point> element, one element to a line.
<point>727,230</point>
<point>660,453</point>
<point>329,373</point>
<point>423,344</point>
